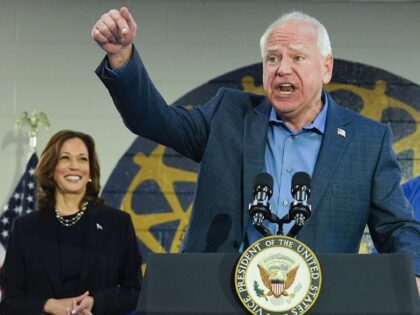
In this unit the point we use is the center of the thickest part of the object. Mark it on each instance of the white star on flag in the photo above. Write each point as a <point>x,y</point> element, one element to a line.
<point>23,197</point>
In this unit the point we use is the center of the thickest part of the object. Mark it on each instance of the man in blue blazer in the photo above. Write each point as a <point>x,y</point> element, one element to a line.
<point>297,126</point>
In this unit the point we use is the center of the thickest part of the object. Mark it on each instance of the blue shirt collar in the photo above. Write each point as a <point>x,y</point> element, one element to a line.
<point>318,124</point>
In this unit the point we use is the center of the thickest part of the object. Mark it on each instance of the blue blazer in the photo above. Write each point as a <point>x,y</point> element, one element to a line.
<point>110,265</point>
<point>355,181</point>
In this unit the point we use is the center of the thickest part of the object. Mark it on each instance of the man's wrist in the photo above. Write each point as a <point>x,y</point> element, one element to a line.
<point>120,59</point>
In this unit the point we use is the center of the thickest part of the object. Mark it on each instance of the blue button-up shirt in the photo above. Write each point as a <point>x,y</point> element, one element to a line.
<point>286,153</point>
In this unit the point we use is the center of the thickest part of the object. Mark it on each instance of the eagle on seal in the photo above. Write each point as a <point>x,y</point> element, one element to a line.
<point>277,286</point>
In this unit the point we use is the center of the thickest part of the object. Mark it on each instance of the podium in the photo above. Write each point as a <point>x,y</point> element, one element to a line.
<point>380,284</point>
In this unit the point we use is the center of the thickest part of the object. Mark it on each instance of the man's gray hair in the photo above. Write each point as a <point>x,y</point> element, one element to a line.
<point>324,43</point>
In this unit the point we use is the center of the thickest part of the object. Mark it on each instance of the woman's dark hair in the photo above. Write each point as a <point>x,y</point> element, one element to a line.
<point>44,172</point>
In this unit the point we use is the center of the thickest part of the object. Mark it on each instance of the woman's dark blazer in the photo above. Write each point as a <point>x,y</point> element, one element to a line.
<point>111,263</point>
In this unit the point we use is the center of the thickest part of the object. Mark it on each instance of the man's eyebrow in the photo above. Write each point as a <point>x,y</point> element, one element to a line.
<point>272,48</point>
<point>295,47</point>
<point>298,47</point>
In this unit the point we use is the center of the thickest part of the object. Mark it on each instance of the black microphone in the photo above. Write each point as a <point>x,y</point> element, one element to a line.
<point>260,208</point>
<point>300,210</point>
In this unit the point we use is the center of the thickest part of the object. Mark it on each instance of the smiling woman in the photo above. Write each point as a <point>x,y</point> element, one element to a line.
<point>68,172</point>
<point>72,169</point>
<point>53,265</point>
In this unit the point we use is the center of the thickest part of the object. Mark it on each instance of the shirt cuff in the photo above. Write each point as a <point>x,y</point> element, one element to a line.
<point>114,73</point>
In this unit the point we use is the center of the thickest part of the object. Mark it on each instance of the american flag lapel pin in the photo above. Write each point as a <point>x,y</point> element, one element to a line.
<point>341,132</point>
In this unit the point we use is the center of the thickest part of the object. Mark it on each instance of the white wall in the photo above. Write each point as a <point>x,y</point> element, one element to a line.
<point>47,57</point>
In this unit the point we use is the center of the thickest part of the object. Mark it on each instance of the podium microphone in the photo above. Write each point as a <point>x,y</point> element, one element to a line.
<point>260,208</point>
<point>300,210</point>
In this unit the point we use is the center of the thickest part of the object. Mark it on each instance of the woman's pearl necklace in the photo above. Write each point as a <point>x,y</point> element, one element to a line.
<point>74,220</point>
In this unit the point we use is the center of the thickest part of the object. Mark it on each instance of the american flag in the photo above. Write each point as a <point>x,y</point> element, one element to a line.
<point>21,201</point>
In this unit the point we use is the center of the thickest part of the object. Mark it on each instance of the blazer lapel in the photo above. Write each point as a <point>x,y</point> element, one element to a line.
<point>336,138</point>
<point>255,138</point>
<point>46,242</point>
<point>97,227</point>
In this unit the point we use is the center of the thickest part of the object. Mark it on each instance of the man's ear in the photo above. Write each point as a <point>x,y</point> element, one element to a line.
<point>327,70</point>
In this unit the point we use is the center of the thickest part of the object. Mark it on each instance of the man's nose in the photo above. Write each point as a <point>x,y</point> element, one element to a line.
<point>285,67</point>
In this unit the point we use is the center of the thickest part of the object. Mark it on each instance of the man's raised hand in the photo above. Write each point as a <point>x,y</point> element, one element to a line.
<point>114,32</point>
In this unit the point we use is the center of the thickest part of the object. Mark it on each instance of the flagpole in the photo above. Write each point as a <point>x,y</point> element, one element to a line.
<point>34,121</point>
<point>23,198</point>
